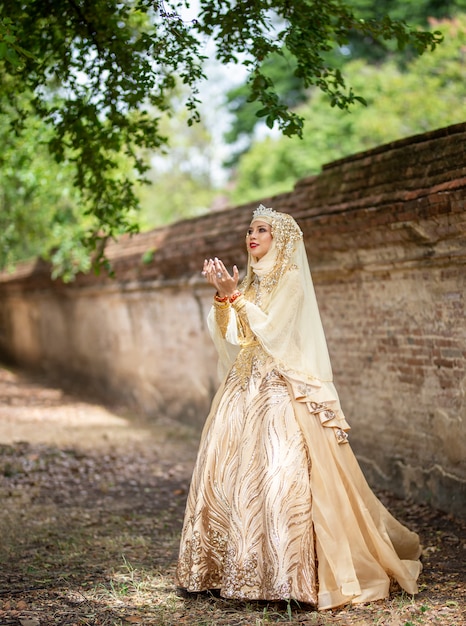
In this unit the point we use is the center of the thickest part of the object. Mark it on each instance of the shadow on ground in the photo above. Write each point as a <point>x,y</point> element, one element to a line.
<point>92,505</point>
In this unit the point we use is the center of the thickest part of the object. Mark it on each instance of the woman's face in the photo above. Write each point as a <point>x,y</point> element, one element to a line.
<point>259,238</point>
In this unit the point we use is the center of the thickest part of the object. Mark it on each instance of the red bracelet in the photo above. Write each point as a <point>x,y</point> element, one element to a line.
<point>234,296</point>
<point>219,299</point>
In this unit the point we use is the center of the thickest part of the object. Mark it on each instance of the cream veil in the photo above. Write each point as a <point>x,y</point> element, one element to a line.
<point>286,316</point>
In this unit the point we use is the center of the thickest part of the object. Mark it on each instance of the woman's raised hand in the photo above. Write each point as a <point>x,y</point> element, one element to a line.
<point>217,275</point>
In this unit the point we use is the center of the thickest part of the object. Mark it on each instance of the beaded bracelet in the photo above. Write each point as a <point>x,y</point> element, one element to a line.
<point>234,296</point>
<point>217,298</point>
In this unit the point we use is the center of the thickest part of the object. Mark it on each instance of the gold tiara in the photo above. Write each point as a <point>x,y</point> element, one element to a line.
<point>263,211</point>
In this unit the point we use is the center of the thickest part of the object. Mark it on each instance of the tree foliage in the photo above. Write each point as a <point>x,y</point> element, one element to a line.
<point>280,69</point>
<point>100,73</point>
<point>358,45</point>
<point>39,215</point>
<point>96,72</point>
<point>416,12</point>
<point>428,93</point>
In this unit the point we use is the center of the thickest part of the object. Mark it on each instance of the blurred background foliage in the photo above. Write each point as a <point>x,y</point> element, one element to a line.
<point>39,214</point>
<point>403,99</point>
<point>231,155</point>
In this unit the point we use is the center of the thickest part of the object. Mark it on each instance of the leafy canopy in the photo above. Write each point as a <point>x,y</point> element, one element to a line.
<point>100,73</point>
<point>359,45</point>
<point>429,92</point>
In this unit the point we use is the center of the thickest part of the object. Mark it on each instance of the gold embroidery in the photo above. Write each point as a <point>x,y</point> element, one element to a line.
<point>249,362</point>
<point>251,357</point>
<point>222,316</point>
<point>237,576</point>
<point>341,436</point>
<point>325,414</point>
<point>275,589</point>
<point>249,529</point>
<point>200,563</point>
<point>265,284</point>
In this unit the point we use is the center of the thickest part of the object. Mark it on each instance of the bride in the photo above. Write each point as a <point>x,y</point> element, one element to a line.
<point>278,507</point>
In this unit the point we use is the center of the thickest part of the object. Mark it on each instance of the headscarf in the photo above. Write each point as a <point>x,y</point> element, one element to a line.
<point>287,321</point>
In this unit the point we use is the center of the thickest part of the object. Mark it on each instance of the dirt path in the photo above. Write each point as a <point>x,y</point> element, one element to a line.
<point>92,504</point>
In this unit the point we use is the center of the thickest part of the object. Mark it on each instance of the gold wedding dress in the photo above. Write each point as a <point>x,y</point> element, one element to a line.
<point>278,507</point>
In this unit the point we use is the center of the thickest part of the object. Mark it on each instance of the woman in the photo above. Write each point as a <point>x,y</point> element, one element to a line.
<point>278,507</point>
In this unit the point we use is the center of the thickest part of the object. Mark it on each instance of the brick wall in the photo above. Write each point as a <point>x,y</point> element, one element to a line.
<point>385,232</point>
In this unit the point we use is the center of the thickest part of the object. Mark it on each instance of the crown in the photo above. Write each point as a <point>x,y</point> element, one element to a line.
<point>263,211</point>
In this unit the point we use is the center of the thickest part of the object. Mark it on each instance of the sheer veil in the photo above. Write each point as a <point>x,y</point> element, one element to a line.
<point>288,322</point>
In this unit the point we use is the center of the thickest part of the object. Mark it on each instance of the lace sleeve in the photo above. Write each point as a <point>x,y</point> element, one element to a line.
<point>244,329</point>
<point>222,316</point>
